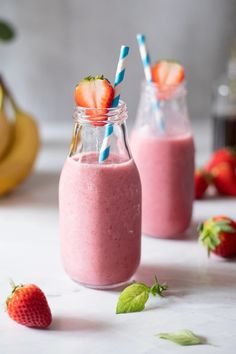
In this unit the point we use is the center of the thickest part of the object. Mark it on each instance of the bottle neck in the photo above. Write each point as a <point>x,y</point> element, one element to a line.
<point>164,92</point>
<point>163,110</point>
<point>99,129</point>
<point>101,116</point>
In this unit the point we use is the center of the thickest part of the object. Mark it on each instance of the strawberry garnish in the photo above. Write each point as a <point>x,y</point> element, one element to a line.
<point>95,92</point>
<point>224,178</point>
<point>167,75</point>
<point>227,155</point>
<point>202,181</point>
<point>28,306</point>
<point>218,235</point>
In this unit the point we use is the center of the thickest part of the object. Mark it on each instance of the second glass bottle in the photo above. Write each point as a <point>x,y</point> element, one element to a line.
<point>164,154</point>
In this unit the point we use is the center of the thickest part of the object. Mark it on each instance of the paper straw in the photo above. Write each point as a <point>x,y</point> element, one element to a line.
<point>148,76</point>
<point>120,73</point>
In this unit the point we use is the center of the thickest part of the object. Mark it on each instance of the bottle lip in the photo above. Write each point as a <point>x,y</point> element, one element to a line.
<point>101,116</point>
<point>175,91</point>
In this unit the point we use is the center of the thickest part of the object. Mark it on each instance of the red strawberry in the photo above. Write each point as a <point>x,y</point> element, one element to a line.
<point>95,92</point>
<point>224,178</point>
<point>218,234</point>
<point>28,306</point>
<point>168,75</point>
<point>222,155</point>
<point>202,181</point>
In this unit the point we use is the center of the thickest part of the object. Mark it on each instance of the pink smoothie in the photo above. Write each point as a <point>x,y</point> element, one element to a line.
<point>100,219</point>
<point>166,167</point>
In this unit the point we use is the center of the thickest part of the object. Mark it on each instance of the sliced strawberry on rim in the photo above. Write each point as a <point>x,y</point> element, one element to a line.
<point>95,92</point>
<point>167,75</point>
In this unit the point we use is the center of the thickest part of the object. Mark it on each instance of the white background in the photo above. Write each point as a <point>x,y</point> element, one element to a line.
<point>61,41</point>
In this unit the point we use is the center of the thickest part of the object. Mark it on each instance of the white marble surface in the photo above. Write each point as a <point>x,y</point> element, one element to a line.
<point>201,296</point>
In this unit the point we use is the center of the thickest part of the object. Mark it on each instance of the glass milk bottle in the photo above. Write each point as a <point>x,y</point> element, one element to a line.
<point>163,149</point>
<point>100,203</point>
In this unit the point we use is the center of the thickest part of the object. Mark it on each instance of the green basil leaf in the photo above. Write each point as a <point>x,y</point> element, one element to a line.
<point>182,337</point>
<point>7,32</point>
<point>133,298</point>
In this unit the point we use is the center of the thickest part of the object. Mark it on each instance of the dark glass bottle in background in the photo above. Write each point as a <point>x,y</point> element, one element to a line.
<point>224,107</point>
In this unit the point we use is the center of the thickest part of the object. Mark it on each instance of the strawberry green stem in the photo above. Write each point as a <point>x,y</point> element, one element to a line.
<point>14,287</point>
<point>157,288</point>
<point>12,283</point>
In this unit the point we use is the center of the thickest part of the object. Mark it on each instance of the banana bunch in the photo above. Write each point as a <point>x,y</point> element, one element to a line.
<point>19,144</point>
<point>5,129</point>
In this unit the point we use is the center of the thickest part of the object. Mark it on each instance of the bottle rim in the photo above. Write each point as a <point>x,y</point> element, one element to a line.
<point>101,116</point>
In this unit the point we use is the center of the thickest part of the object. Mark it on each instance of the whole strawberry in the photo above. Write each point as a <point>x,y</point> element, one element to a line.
<point>224,178</point>
<point>28,306</point>
<point>218,235</point>
<point>202,181</point>
<point>226,155</point>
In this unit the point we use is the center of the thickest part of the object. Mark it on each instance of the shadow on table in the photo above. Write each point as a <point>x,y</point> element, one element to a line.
<point>40,189</point>
<point>212,197</point>
<point>73,324</point>
<point>183,279</point>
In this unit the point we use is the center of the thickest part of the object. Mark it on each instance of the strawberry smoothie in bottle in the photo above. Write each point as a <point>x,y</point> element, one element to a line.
<point>163,148</point>
<point>99,195</point>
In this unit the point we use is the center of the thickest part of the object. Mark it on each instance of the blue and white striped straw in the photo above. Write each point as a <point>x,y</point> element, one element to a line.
<point>148,76</point>
<point>120,73</point>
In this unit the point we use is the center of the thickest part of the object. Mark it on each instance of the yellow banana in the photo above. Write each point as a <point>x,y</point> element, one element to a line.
<point>18,162</point>
<point>5,129</point>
